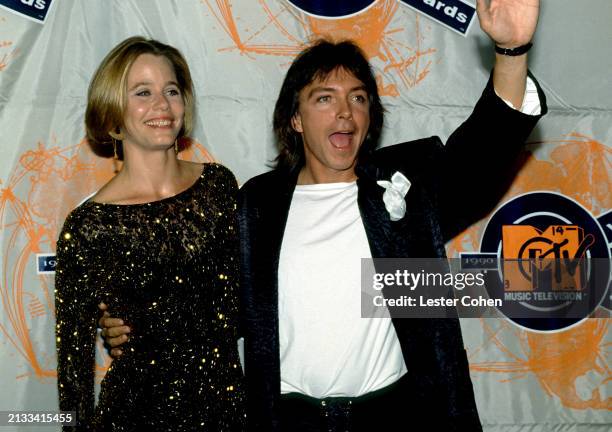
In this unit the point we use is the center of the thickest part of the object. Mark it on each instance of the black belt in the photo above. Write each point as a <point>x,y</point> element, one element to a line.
<point>339,414</point>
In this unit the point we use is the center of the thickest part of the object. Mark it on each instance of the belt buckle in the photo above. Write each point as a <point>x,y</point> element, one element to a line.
<point>337,413</point>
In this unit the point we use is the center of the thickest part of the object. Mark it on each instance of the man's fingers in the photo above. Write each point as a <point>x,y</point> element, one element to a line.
<point>116,352</point>
<point>113,332</point>
<point>116,341</point>
<point>111,322</point>
<point>102,306</point>
<point>482,8</point>
<point>102,320</point>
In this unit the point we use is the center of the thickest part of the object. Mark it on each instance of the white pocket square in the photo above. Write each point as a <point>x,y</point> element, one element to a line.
<point>395,191</point>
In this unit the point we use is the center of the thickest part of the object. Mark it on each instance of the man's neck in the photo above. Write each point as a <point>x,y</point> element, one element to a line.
<point>307,177</point>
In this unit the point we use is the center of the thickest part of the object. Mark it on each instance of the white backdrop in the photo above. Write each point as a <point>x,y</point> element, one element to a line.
<point>239,52</point>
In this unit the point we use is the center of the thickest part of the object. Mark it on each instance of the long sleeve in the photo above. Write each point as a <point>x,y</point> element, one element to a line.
<point>480,159</point>
<point>225,233</point>
<point>76,316</point>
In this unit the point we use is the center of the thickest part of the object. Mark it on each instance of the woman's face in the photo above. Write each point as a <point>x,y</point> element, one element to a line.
<point>155,108</point>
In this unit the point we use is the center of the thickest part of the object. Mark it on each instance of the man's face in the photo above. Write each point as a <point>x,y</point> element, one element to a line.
<point>333,118</point>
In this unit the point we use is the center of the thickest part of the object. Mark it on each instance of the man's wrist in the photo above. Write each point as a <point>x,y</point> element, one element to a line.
<point>513,52</point>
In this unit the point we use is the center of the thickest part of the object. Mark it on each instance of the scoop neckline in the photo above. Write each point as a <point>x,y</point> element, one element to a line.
<point>177,195</point>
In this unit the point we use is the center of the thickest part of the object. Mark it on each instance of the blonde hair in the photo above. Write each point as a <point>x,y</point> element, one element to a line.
<point>107,99</point>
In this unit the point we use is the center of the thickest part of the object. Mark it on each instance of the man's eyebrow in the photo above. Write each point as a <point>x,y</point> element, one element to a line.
<point>332,89</point>
<point>320,89</point>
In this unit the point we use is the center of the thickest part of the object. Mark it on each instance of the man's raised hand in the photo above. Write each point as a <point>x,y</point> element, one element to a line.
<point>510,23</point>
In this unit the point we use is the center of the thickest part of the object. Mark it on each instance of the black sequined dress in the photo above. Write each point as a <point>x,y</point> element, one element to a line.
<point>169,269</point>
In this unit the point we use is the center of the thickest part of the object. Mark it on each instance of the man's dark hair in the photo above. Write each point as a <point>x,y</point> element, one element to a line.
<point>316,63</point>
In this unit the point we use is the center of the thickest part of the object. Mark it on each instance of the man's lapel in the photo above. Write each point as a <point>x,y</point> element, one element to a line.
<point>374,215</point>
<point>272,219</point>
<point>387,239</point>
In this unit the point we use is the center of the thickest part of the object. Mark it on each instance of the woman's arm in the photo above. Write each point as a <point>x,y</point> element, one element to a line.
<point>75,330</point>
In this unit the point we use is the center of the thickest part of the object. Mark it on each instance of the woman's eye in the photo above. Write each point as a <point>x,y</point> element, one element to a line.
<point>174,92</point>
<point>143,93</point>
<point>323,98</point>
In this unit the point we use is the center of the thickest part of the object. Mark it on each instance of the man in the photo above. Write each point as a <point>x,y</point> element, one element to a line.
<point>311,362</point>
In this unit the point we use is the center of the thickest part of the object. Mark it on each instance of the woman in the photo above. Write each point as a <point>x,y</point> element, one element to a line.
<point>157,244</point>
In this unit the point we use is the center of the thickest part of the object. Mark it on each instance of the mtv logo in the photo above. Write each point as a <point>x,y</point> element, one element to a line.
<point>549,260</point>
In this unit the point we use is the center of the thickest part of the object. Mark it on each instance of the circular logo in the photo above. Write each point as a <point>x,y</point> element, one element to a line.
<point>553,261</point>
<point>332,9</point>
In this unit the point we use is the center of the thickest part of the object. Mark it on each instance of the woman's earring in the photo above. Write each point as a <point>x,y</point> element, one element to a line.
<point>116,136</point>
<point>115,156</point>
<point>176,146</point>
<point>115,149</point>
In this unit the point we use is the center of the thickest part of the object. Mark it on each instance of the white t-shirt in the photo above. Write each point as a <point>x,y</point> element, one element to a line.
<point>326,348</point>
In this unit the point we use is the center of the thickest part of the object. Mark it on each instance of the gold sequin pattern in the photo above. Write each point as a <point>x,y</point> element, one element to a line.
<point>169,269</point>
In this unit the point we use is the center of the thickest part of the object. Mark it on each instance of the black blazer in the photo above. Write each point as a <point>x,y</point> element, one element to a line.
<point>452,187</point>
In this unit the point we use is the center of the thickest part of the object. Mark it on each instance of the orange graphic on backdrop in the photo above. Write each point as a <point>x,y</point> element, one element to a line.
<point>371,29</point>
<point>46,184</point>
<point>7,51</point>
<point>573,365</point>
